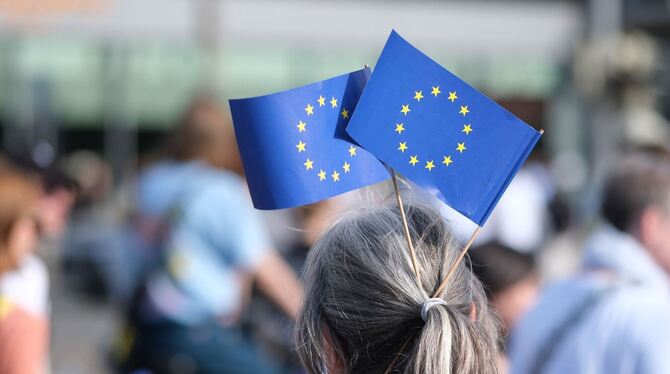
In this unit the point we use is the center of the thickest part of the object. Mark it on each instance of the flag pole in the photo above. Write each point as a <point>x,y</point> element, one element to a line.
<point>460,257</point>
<point>415,265</point>
<point>412,253</point>
<point>446,278</point>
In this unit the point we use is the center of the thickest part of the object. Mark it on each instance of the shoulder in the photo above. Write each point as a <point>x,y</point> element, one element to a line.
<point>632,322</point>
<point>156,170</point>
<point>556,301</point>
<point>619,322</point>
<point>217,196</point>
<point>31,272</point>
<point>645,309</point>
<point>222,184</point>
<point>28,286</point>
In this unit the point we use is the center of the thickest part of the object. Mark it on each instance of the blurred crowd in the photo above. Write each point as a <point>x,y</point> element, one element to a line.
<point>194,274</point>
<point>150,258</point>
<point>200,282</point>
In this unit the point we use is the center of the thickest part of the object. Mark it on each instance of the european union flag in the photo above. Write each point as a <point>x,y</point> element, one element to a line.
<point>429,125</point>
<point>294,147</point>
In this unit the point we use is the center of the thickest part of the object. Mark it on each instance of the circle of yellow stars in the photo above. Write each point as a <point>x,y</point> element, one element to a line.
<point>301,146</point>
<point>449,154</point>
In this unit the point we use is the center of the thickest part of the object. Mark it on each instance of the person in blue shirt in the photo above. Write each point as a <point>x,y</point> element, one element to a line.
<point>613,316</point>
<point>210,247</point>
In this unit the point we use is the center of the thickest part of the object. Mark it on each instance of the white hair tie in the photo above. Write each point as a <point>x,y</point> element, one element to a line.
<point>429,303</point>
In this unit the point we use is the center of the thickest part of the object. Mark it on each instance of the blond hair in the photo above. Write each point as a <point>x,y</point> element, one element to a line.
<point>205,134</point>
<point>18,196</point>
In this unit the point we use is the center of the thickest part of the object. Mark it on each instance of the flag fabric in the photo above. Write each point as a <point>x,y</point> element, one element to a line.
<point>294,147</point>
<point>426,123</point>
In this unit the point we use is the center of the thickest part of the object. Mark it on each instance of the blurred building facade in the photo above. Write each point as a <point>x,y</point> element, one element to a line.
<point>110,75</point>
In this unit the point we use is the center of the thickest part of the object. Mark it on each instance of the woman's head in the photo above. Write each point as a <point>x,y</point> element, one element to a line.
<point>205,134</point>
<point>18,234</point>
<point>362,307</point>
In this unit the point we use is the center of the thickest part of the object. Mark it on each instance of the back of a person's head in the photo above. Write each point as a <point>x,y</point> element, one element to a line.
<point>205,134</point>
<point>509,278</point>
<point>363,303</point>
<point>640,179</point>
<point>499,267</point>
<point>18,196</point>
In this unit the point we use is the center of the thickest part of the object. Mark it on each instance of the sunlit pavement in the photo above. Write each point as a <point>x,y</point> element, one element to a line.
<point>82,330</point>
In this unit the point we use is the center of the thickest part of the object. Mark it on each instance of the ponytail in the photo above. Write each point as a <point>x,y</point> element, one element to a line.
<point>361,287</point>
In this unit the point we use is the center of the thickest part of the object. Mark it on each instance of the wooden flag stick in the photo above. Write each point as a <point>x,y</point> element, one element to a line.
<point>453,267</point>
<point>415,264</point>
<point>446,278</point>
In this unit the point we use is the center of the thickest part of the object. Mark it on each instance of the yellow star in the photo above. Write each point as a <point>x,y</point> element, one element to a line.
<point>309,109</point>
<point>346,167</point>
<point>467,129</point>
<point>321,100</point>
<point>436,91</point>
<point>402,147</point>
<point>464,110</point>
<point>461,147</point>
<point>301,146</point>
<point>399,128</point>
<point>405,109</point>
<point>413,160</point>
<point>309,164</point>
<point>352,151</point>
<point>301,126</point>
<point>336,176</point>
<point>452,96</point>
<point>430,165</point>
<point>418,95</point>
<point>447,160</point>
<point>345,113</point>
<point>333,102</point>
<point>322,175</point>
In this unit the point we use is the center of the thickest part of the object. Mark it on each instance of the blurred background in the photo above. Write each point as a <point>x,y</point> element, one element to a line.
<point>90,88</point>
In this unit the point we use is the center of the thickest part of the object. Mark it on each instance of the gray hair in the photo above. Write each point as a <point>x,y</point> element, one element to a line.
<point>359,285</point>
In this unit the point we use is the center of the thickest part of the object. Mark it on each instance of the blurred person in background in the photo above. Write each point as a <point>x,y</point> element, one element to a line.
<point>58,197</point>
<point>24,283</point>
<point>510,280</point>
<point>265,320</point>
<point>613,316</point>
<point>58,194</point>
<point>209,246</point>
<point>94,244</point>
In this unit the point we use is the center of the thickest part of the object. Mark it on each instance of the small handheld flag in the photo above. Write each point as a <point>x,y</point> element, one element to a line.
<point>294,147</point>
<point>428,124</point>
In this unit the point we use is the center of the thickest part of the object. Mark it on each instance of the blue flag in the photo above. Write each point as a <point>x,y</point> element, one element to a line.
<point>294,147</point>
<point>429,125</point>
